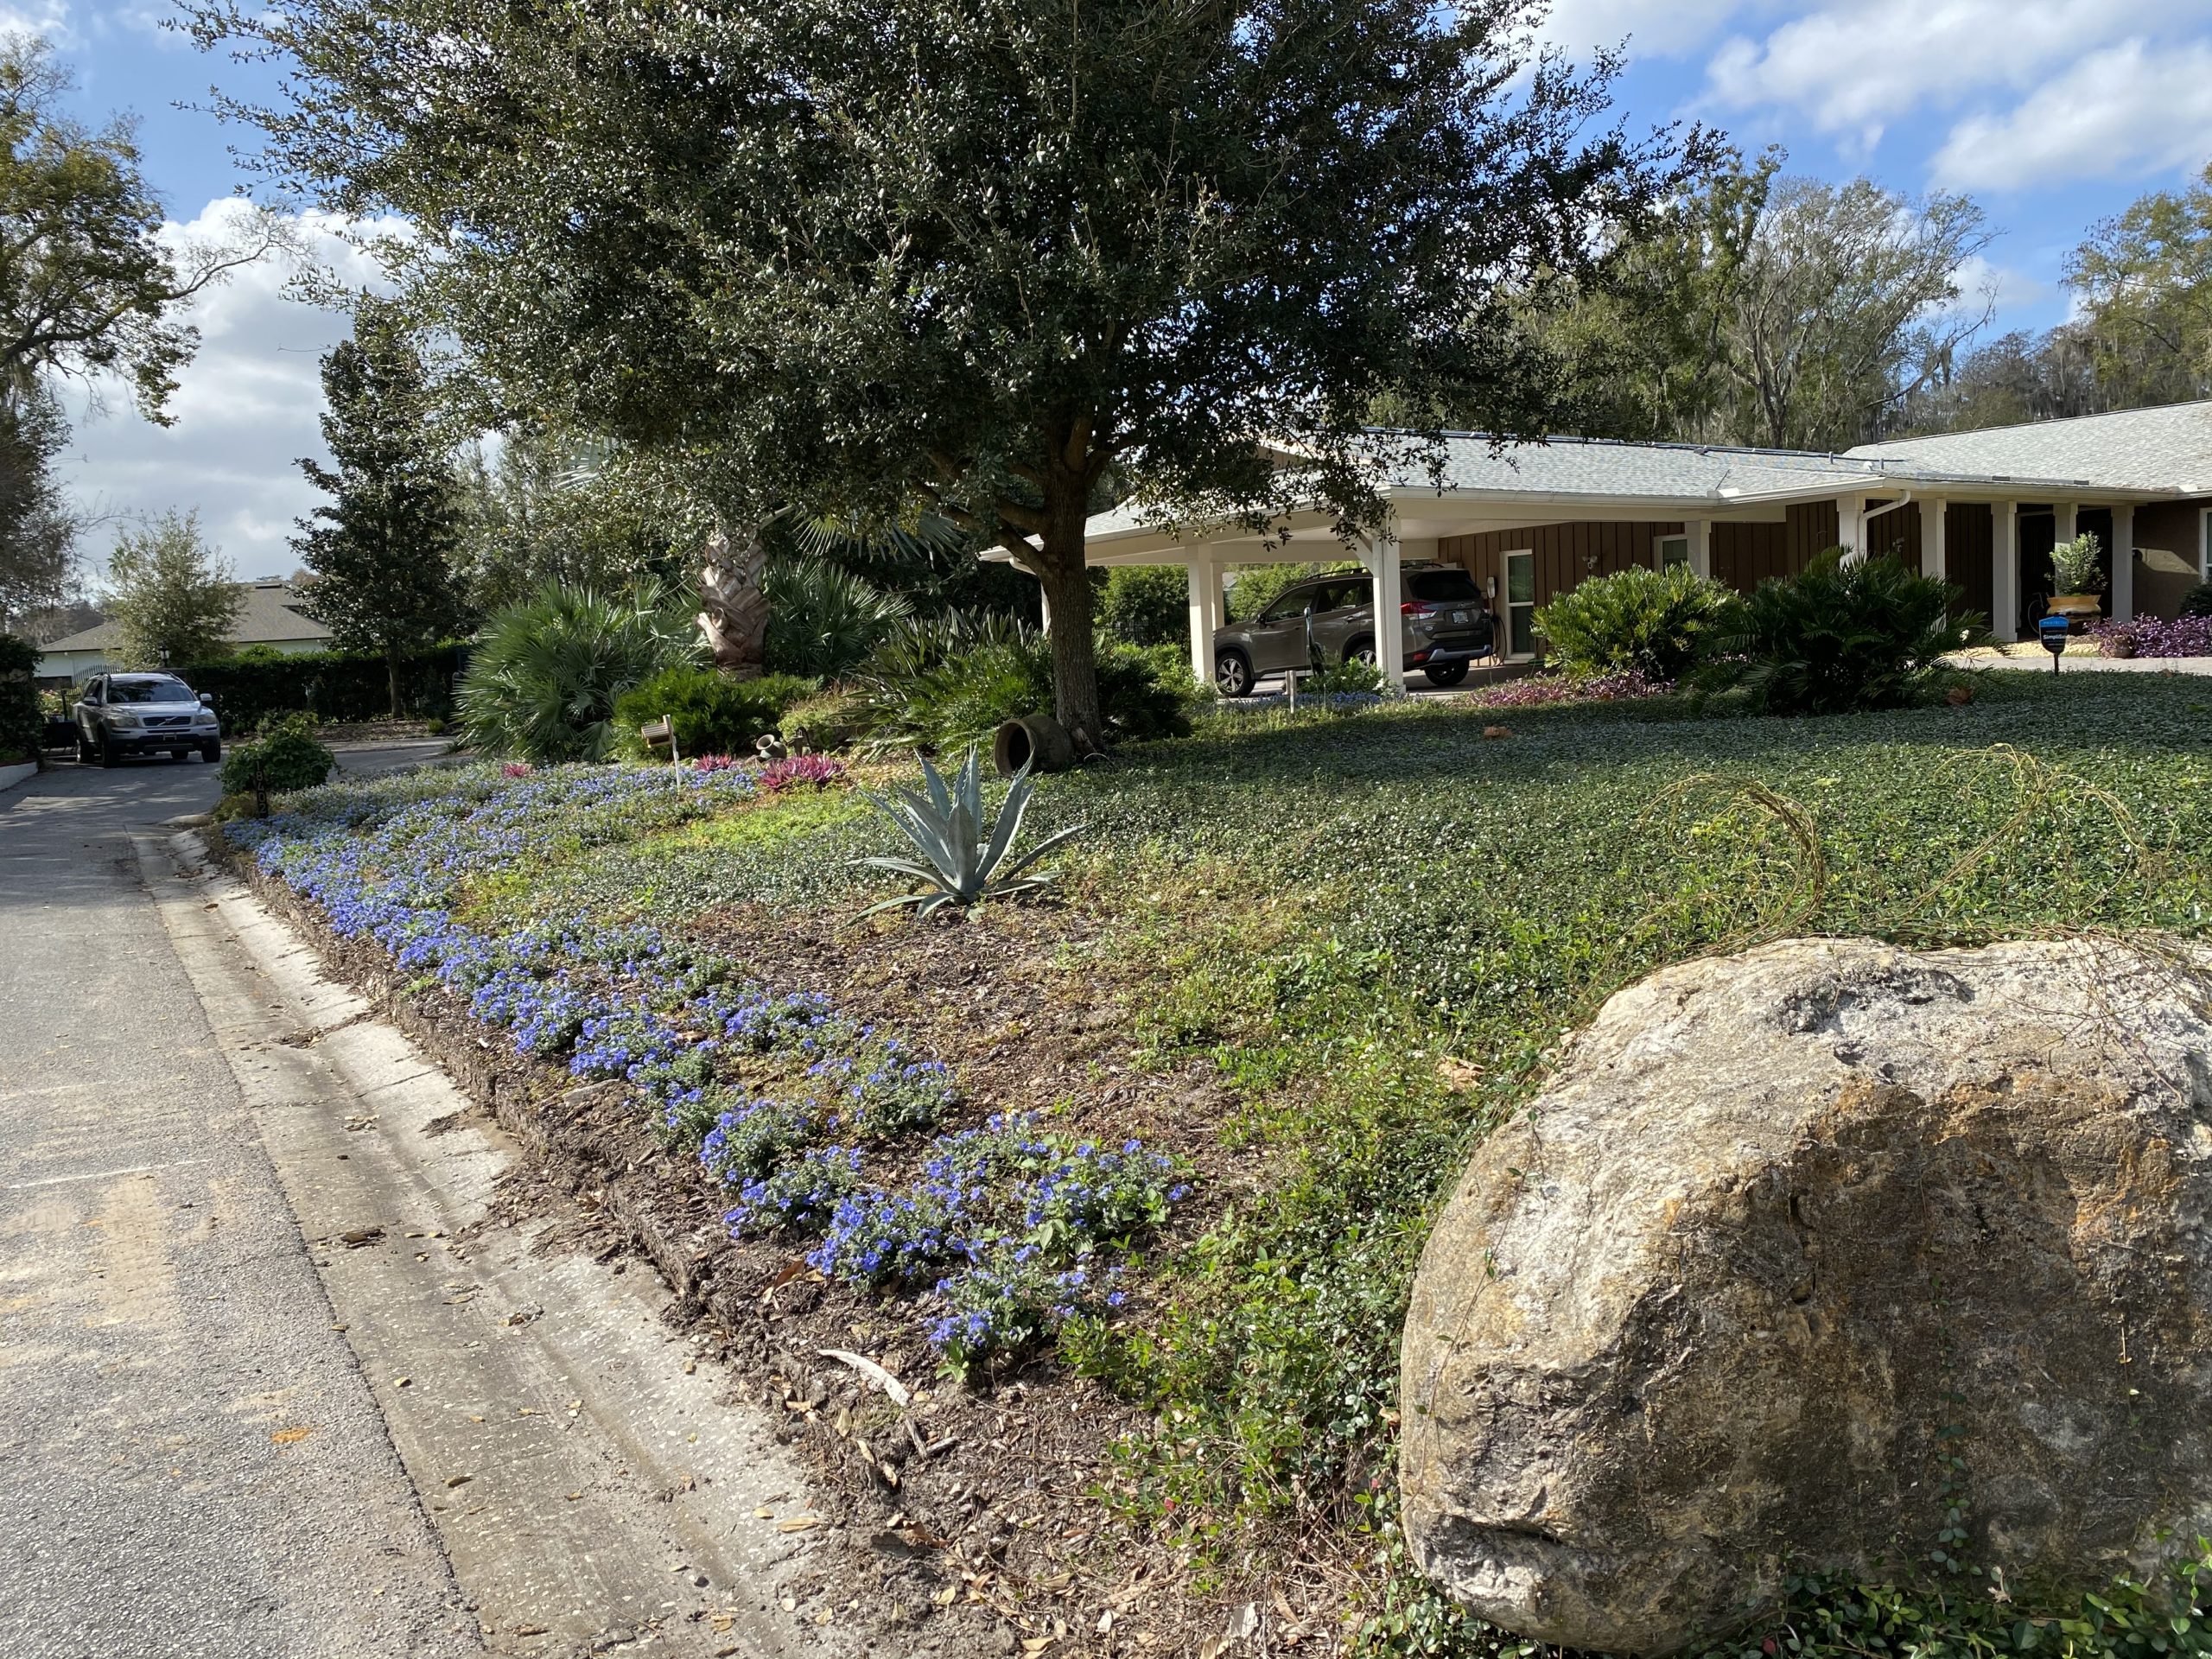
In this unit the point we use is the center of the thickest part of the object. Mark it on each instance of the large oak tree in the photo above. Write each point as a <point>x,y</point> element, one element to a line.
<point>983,254</point>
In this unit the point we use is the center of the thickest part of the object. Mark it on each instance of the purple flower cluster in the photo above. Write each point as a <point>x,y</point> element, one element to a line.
<point>1534,689</point>
<point>800,771</point>
<point>2150,636</point>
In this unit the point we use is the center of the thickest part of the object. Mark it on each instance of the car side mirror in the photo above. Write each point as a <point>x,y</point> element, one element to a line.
<point>206,701</point>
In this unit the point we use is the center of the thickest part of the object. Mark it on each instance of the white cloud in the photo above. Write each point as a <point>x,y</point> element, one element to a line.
<point>2129,110</point>
<point>49,18</point>
<point>1851,68</point>
<point>2003,288</point>
<point>246,408</point>
<point>1651,28</point>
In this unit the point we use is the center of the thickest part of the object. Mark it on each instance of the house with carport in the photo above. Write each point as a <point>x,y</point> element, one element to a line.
<point>1529,520</point>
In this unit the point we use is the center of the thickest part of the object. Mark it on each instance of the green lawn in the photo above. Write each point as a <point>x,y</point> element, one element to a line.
<point>1377,928</point>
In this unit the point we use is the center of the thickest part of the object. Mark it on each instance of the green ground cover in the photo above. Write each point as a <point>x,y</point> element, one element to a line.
<point>1378,928</point>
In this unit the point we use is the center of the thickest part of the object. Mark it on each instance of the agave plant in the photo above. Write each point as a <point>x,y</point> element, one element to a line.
<point>946,826</point>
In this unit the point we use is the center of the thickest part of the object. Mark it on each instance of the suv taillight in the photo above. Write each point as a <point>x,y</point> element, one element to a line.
<point>1413,607</point>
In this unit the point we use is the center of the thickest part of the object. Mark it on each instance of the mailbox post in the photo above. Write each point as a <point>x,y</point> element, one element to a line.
<point>2053,631</point>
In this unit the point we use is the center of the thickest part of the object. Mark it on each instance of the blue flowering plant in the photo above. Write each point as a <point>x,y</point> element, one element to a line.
<point>1009,1304</point>
<point>797,1198</point>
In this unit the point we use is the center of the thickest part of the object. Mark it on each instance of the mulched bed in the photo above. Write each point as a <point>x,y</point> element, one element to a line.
<point>964,1524</point>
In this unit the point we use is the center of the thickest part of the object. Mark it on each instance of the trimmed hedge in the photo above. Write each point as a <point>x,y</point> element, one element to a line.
<point>22,723</point>
<point>330,685</point>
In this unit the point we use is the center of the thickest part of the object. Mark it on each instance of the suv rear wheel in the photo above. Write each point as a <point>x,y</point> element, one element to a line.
<point>1446,673</point>
<point>1232,673</point>
<point>1361,649</point>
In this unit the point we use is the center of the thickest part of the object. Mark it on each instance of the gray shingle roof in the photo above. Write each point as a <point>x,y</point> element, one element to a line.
<point>2133,449</point>
<point>267,618</point>
<point>1689,475</point>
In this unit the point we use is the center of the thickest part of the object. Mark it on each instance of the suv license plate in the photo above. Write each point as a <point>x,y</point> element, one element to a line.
<point>1458,619</point>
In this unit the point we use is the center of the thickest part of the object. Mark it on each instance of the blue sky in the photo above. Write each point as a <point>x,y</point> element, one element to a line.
<point>2051,113</point>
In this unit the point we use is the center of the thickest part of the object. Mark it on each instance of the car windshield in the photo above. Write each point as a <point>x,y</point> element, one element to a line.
<point>150,687</point>
<point>1443,587</point>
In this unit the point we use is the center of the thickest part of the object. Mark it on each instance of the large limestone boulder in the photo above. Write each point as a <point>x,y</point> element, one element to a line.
<point>1791,1229</point>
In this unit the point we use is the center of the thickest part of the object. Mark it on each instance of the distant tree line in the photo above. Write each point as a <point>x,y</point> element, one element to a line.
<point>1762,308</point>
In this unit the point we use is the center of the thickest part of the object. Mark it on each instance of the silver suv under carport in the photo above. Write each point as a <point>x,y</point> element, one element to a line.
<point>1447,624</point>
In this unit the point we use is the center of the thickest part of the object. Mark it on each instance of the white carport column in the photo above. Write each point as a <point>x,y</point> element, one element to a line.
<point>2005,569</point>
<point>1851,526</point>
<point>1701,535</point>
<point>1205,612</point>
<point>2064,513</point>
<point>1382,564</point>
<point>2123,561</point>
<point>1935,557</point>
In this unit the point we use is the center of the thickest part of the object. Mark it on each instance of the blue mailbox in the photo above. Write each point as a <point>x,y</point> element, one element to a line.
<point>2053,631</point>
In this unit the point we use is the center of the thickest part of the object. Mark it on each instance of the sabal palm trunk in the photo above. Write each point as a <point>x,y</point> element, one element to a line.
<point>734,616</point>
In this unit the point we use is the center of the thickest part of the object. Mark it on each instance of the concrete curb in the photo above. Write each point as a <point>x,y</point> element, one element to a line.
<point>22,772</point>
<point>585,1473</point>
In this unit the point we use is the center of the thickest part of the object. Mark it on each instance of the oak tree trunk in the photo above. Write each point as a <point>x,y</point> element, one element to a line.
<point>1067,582</point>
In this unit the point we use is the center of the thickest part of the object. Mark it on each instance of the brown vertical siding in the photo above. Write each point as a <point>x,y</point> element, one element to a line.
<point>2174,526</point>
<point>1896,533</point>
<point>1745,556</point>
<point>1566,554</point>
<point>1969,533</point>
<point>1812,528</point>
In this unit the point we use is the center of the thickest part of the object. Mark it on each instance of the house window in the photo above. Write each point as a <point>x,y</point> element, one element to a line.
<point>1521,603</point>
<point>1673,550</point>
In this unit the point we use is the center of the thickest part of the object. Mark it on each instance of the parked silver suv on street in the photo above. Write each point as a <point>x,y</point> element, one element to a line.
<point>1447,624</point>
<point>143,713</point>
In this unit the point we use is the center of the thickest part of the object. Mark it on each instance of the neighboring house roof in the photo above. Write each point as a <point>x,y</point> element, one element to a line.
<point>2166,448</point>
<point>270,616</point>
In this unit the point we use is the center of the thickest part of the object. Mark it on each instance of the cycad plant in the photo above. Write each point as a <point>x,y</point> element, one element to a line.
<point>542,681</point>
<point>1839,638</point>
<point>962,864</point>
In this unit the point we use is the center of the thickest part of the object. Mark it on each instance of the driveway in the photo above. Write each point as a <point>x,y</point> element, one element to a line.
<point>193,1462</point>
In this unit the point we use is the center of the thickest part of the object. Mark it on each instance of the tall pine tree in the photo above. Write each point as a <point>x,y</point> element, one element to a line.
<point>382,551</point>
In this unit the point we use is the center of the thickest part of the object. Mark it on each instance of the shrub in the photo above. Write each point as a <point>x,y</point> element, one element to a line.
<point>260,682</point>
<point>826,722</point>
<point>2198,601</point>
<point>1349,678</point>
<point>1837,638</point>
<point>283,758</point>
<point>2074,566</point>
<point>542,682</point>
<point>953,680</point>
<point>824,619</point>
<point>711,712</point>
<point>1145,605</point>
<point>22,721</point>
<point>1659,624</point>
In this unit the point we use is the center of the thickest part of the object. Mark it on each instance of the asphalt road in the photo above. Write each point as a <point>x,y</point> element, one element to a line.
<point>191,1462</point>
